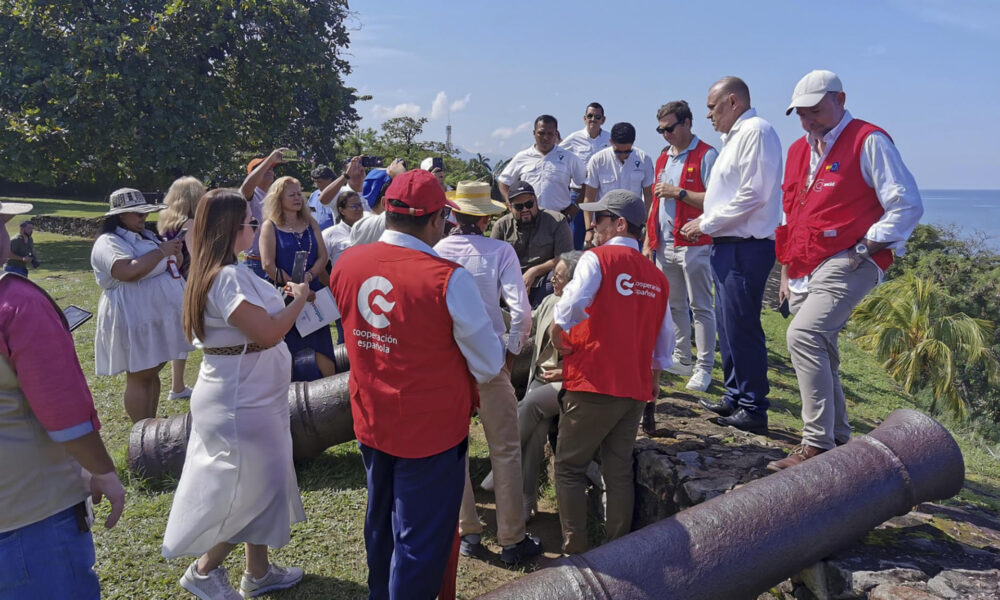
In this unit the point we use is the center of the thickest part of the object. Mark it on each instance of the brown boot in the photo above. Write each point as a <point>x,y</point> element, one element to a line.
<point>799,454</point>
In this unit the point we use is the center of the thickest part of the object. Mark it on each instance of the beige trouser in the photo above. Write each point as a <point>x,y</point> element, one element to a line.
<point>689,273</point>
<point>590,422</point>
<point>833,292</point>
<point>498,414</point>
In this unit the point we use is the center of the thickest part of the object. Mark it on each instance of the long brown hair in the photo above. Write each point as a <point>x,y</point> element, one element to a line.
<point>217,222</point>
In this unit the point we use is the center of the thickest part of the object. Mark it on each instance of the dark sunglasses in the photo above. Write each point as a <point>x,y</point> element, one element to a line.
<point>357,206</point>
<point>594,117</point>
<point>601,215</point>
<point>446,212</point>
<point>252,224</point>
<point>526,205</point>
<point>668,129</point>
<point>629,151</point>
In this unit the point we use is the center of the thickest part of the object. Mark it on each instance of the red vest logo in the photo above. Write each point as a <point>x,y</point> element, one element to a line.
<point>367,300</point>
<point>624,284</point>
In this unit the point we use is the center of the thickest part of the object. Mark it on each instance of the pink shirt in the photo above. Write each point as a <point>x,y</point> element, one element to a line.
<point>40,350</point>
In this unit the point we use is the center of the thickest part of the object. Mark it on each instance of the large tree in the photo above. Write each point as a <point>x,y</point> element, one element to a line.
<point>108,93</point>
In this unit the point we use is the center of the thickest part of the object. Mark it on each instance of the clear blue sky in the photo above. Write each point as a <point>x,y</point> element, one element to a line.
<point>928,71</point>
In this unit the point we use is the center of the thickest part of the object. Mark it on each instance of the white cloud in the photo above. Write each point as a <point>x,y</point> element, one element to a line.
<point>505,133</point>
<point>440,108</point>
<point>406,109</point>
<point>459,105</point>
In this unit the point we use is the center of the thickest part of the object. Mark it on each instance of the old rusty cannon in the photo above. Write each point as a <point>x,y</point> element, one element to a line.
<point>320,417</point>
<point>740,544</point>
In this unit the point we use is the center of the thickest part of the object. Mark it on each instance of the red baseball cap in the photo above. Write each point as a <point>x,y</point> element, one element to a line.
<point>419,190</point>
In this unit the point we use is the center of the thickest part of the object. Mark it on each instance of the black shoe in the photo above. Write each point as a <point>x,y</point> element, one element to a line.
<point>722,408</point>
<point>527,548</point>
<point>649,419</point>
<point>471,545</point>
<point>747,421</point>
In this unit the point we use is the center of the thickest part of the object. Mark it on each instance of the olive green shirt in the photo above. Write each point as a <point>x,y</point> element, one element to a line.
<point>546,238</point>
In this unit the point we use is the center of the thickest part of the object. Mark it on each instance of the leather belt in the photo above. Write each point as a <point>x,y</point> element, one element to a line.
<point>235,350</point>
<point>731,239</point>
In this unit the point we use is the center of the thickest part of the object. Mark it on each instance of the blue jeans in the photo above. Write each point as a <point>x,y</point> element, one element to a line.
<point>50,558</point>
<point>22,271</point>
<point>411,521</point>
<point>740,271</point>
<point>577,225</point>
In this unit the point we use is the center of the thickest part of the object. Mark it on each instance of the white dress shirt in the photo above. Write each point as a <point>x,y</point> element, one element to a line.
<point>549,174</point>
<point>605,172</point>
<point>337,239</point>
<point>743,197</point>
<point>579,294</point>
<point>583,146</point>
<point>495,267</point>
<point>369,229</point>
<point>471,325</point>
<point>883,170</point>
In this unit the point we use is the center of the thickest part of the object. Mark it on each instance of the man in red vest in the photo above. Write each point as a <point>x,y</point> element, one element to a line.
<point>849,203</point>
<point>618,337</point>
<point>682,172</point>
<point>419,339</point>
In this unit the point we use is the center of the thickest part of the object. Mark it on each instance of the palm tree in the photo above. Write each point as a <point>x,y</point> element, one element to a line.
<point>903,323</point>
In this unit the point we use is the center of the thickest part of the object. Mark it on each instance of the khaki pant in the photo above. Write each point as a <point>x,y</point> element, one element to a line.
<point>833,292</point>
<point>689,273</point>
<point>498,414</point>
<point>590,422</point>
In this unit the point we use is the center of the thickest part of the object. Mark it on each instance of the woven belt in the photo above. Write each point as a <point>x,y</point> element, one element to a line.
<point>235,350</point>
<point>251,257</point>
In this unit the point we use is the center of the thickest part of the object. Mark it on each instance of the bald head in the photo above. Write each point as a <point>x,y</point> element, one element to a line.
<point>728,98</point>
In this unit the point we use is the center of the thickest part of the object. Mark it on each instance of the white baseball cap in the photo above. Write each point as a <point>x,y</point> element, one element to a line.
<point>811,89</point>
<point>14,208</point>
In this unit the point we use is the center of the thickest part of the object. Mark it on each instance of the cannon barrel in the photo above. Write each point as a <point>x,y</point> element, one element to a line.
<point>320,417</point>
<point>740,544</point>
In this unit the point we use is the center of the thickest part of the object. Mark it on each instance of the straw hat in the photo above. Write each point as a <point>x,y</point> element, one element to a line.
<point>473,198</point>
<point>130,200</point>
<point>14,208</point>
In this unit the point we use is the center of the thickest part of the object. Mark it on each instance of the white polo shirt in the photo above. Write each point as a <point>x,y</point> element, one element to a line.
<point>605,172</point>
<point>583,146</point>
<point>549,174</point>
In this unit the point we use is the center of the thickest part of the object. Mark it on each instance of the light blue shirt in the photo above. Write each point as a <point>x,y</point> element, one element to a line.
<point>672,173</point>
<point>322,213</point>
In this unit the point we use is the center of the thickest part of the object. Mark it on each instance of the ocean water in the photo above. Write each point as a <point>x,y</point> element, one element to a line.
<point>972,211</point>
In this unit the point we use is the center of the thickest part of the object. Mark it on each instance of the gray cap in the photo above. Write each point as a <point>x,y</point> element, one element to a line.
<point>621,202</point>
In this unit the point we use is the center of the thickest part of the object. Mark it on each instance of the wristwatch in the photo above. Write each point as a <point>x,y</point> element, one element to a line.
<point>681,195</point>
<point>861,250</point>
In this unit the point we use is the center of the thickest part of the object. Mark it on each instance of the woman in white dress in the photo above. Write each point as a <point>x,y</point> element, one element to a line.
<point>139,313</point>
<point>238,484</point>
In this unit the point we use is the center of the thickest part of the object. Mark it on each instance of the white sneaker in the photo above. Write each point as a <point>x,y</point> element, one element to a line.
<point>214,586</point>
<point>700,381</point>
<point>487,483</point>
<point>276,578</point>
<point>185,393</point>
<point>678,368</point>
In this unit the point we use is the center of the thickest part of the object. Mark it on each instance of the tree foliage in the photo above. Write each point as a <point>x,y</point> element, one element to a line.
<point>922,346</point>
<point>108,93</point>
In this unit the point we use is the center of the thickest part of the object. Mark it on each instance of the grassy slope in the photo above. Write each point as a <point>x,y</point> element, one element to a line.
<point>330,545</point>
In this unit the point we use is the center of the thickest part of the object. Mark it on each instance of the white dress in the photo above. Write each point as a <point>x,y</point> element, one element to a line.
<point>138,322</point>
<point>238,483</point>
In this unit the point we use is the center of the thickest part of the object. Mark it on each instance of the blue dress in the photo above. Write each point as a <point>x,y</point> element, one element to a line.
<point>287,244</point>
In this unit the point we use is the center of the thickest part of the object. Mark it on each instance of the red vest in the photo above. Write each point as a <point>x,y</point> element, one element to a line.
<point>613,347</point>
<point>411,390</point>
<point>691,181</point>
<point>832,214</point>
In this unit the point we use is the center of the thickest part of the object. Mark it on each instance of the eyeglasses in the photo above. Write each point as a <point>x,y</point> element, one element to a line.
<point>668,129</point>
<point>526,205</point>
<point>353,206</point>
<point>446,212</point>
<point>629,151</point>
<point>593,117</point>
<point>252,224</point>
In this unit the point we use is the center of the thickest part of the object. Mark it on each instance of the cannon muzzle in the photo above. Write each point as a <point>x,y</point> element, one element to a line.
<point>740,544</point>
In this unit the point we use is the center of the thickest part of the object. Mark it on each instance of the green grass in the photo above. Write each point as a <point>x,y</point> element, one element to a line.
<point>329,545</point>
<point>63,208</point>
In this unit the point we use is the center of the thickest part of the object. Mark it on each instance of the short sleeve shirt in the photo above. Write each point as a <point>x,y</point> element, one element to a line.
<point>605,172</point>
<point>546,239</point>
<point>583,146</point>
<point>550,174</point>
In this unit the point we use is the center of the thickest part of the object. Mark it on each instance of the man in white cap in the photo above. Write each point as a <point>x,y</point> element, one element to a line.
<point>495,267</point>
<point>849,204</point>
<point>54,461</point>
<point>742,206</point>
<point>613,328</point>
